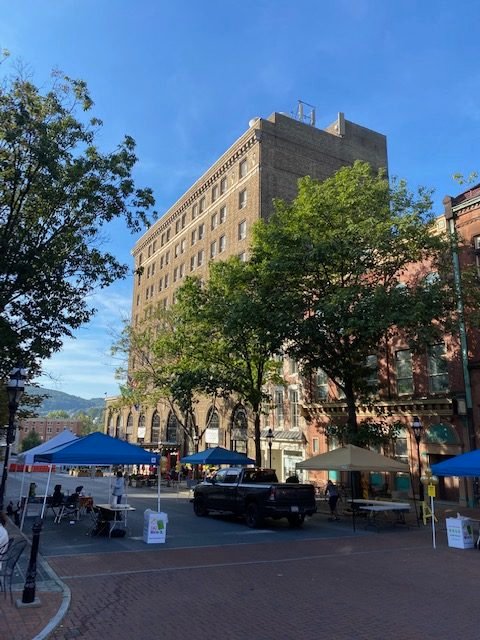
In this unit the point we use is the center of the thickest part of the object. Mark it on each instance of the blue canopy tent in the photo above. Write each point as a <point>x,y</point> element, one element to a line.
<point>217,455</point>
<point>462,466</point>
<point>99,449</point>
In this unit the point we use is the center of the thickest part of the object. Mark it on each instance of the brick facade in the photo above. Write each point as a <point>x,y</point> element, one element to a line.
<point>213,220</point>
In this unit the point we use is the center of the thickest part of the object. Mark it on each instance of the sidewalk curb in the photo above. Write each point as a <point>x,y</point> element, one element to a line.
<point>66,599</point>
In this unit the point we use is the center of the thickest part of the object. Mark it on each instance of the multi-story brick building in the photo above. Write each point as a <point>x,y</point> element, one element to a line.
<point>439,388</point>
<point>47,428</point>
<point>212,221</point>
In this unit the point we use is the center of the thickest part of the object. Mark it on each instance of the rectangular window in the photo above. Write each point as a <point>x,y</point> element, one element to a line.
<point>184,220</point>
<point>166,280</point>
<point>182,246</point>
<point>315,448</point>
<point>293,398</point>
<point>213,249</point>
<point>175,274</point>
<point>242,230</point>
<point>162,240</point>
<point>214,221</point>
<point>201,205</point>
<point>201,231</point>
<point>192,263</point>
<point>167,237</point>
<point>194,236</point>
<point>221,244</point>
<point>292,366</point>
<point>437,368</point>
<point>321,386</point>
<point>200,256</point>
<point>160,284</point>
<point>242,199</point>
<point>167,257</point>
<point>223,214</point>
<point>161,262</point>
<point>177,226</point>
<point>153,269</point>
<point>194,211</point>
<point>177,250</point>
<point>215,193</point>
<point>404,371</point>
<point>148,272</point>
<point>242,169</point>
<point>181,271</point>
<point>223,185</point>
<point>154,247</point>
<point>279,407</point>
<point>242,256</point>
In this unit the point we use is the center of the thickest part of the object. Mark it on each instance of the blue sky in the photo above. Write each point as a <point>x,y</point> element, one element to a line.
<point>184,78</point>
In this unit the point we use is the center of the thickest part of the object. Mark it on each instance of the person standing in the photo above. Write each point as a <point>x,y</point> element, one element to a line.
<point>331,491</point>
<point>119,487</point>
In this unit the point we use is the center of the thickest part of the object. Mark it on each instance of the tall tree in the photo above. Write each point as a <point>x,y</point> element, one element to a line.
<point>235,329</point>
<point>352,259</point>
<point>160,365</point>
<point>58,192</point>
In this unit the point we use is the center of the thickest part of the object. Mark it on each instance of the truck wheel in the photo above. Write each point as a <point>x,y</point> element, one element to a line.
<point>200,508</point>
<point>253,517</point>
<point>296,520</point>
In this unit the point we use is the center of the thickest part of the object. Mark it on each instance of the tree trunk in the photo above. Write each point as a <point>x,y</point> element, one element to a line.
<point>258,450</point>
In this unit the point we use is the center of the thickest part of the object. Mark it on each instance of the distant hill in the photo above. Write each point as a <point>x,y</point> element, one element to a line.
<point>59,401</point>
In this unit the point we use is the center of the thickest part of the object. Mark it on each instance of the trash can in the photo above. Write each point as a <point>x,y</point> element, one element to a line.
<point>460,533</point>
<point>154,526</point>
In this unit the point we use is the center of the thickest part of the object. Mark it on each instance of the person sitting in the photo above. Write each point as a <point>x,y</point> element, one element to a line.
<point>57,496</point>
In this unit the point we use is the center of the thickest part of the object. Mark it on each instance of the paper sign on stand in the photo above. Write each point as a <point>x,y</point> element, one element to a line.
<point>460,533</point>
<point>154,526</point>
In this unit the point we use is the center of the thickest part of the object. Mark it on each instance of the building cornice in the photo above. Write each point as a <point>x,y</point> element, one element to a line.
<point>201,186</point>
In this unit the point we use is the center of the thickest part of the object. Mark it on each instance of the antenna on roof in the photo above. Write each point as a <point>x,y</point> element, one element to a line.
<point>306,116</point>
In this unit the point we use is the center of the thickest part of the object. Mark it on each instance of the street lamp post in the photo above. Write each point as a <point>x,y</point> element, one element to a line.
<point>15,388</point>
<point>196,440</point>
<point>417,429</point>
<point>269,440</point>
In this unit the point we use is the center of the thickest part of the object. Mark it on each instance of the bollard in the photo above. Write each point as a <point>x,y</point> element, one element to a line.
<point>28,596</point>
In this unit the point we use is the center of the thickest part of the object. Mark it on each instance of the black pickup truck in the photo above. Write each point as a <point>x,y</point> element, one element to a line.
<point>255,494</point>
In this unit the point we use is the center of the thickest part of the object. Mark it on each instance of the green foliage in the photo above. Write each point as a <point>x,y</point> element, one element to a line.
<point>352,260</point>
<point>58,192</point>
<point>369,433</point>
<point>32,439</point>
<point>234,328</point>
<point>58,413</point>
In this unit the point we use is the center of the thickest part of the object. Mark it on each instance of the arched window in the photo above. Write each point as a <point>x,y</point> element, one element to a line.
<point>118,427</point>
<point>172,427</point>
<point>141,428</point>
<point>129,427</point>
<point>239,429</point>
<point>110,425</point>
<point>155,437</point>
<point>212,430</point>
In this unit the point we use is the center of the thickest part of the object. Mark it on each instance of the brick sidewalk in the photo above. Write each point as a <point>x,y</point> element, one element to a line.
<point>345,588</point>
<point>392,584</point>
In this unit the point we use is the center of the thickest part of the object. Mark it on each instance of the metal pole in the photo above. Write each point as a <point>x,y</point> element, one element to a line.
<point>420,485</point>
<point>270,454</point>
<point>29,589</point>
<point>12,407</point>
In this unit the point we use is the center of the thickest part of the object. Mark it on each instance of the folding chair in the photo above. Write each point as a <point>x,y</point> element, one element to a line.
<point>70,508</point>
<point>100,526</point>
<point>9,561</point>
